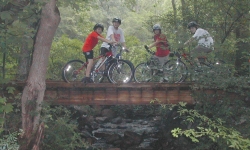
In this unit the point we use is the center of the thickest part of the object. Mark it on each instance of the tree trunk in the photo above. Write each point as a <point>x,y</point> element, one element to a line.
<point>184,11</point>
<point>33,92</point>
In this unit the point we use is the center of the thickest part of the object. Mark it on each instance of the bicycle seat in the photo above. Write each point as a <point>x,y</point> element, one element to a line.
<point>109,53</point>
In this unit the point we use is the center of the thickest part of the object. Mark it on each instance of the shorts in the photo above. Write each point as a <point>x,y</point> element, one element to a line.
<point>162,60</point>
<point>200,51</point>
<point>89,55</point>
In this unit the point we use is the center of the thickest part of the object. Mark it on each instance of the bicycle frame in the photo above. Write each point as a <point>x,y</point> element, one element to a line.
<point>201,59</point>
<point>108,54</point>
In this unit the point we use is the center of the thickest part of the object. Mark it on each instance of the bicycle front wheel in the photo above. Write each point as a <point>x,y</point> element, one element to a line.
<point>175,71</point>
<point>120,71</point>
<point>74,70</point>
<point>142,73</point>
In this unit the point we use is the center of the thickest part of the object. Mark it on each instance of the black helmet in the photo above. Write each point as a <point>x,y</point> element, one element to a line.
<point>117,20</point>
<point>156,27</point>
<point>98,25</point>
<point>192,24</point>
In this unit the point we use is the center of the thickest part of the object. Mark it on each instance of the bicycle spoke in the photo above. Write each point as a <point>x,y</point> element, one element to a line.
<point>120,72</point>
<point>143,73</point>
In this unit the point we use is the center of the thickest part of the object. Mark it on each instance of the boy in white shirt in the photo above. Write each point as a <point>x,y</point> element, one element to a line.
<point>205,41</point>
<point>114,34</point>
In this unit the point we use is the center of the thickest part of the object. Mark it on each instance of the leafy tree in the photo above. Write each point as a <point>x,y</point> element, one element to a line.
<point>61,131</point>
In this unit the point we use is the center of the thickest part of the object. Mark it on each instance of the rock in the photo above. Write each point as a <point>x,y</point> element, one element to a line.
<point>122,127</point>
<point>117,120</point>
<point>131,139</point>
<point>108,113</point>
<point>95,126</point>
<point>101,119</point>
<point>112,138</point>
<point>144,123</point>
<point>102,134</point>
<point>91,140</point>
<point>128,120</point>
<point>86,134</point>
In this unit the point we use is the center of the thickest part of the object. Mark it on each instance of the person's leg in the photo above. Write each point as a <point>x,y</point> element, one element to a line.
<point>203,51</point>
<point>195,53</point>
<point>89,59</point>
<point>89,66</point>
<point>200,51</point>
<point>162,60</point>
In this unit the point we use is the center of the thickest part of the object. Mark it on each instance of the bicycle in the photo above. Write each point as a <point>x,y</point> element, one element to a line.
<point>146,71</point>
<point>178,70</point>
<point>115,68</point>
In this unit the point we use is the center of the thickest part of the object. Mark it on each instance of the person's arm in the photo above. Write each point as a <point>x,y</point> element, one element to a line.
<point>152,45</point>
<point>105,40</point>
<point>161,39</point>
<point>188,41</point>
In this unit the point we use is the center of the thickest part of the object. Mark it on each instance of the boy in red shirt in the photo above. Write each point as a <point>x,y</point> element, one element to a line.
<point>90,42</point>
<point>161,44</point>
<point>162,47</point>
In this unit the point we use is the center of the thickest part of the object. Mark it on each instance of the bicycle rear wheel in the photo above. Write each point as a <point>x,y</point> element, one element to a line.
<point>120,71</point>
<point>74,70</point>
<point>175,71</point>
<point>142,73</point>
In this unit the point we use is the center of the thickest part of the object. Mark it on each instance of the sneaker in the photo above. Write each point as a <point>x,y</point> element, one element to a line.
<point>87,80</point>
<point>84,80</point>
<point>90,80</point>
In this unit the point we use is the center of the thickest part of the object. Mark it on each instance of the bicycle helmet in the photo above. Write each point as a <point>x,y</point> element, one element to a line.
<point>192,24</point>
<point>156,27</point>
<point>117,20</point>
<point>98,25</point>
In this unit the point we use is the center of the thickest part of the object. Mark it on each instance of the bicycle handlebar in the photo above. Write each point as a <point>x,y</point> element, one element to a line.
<point>119,45</point>
<point>148,50</point>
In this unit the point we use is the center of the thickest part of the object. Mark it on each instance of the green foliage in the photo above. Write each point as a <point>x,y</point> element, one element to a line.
<point>62,51</point>
<point>10,141</point>
<point>75,24</point>
<point>7,139</point>
<point>61,130</point>
<point>213,129</point>
<point>5,108</point>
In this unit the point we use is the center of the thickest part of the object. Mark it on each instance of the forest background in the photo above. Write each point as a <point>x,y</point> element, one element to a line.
<point>227,21</point>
